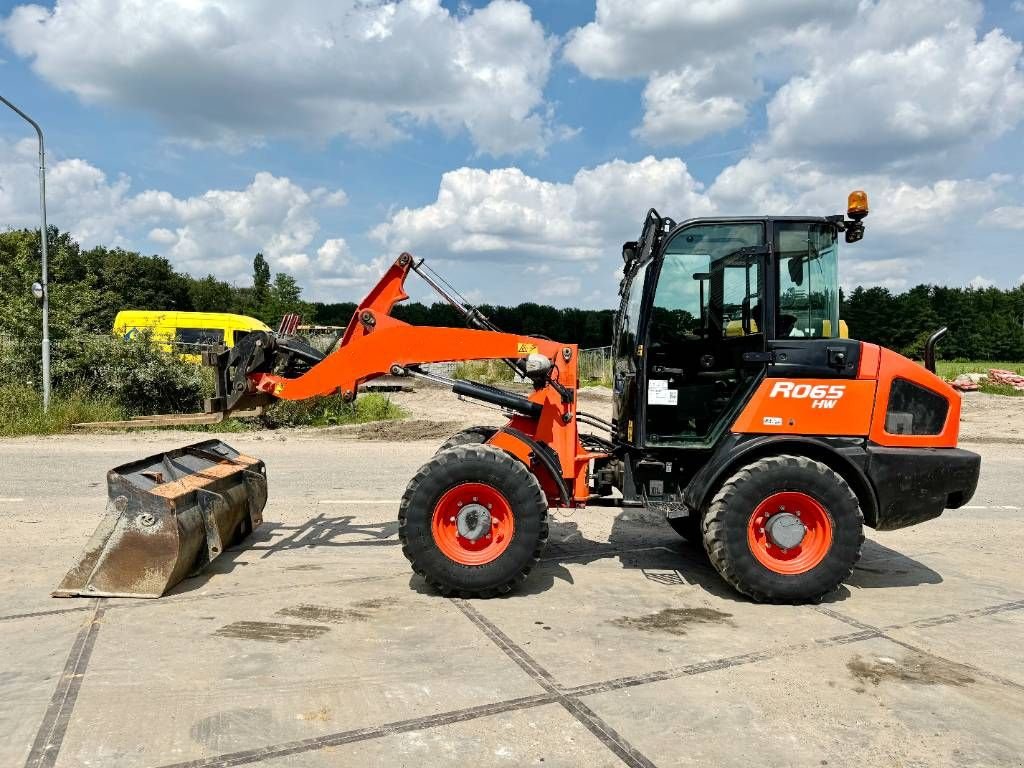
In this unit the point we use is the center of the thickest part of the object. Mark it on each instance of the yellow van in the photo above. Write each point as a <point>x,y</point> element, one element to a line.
<point>187,333</point>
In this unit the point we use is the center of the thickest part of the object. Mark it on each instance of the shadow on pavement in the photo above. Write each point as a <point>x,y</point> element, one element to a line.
<point>639,539</point>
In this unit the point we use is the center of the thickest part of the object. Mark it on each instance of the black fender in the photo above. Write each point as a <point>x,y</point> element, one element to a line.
<point>547,458</point>
<point>846,455</point>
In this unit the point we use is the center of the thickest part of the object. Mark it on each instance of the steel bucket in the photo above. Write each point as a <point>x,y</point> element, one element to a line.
<point>168,516</point>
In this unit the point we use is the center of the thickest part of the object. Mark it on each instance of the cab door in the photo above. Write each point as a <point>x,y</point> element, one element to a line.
<point>705,338</point>
<point>627,353</point>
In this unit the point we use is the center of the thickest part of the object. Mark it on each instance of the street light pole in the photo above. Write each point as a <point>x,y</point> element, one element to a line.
<point>42,238</point>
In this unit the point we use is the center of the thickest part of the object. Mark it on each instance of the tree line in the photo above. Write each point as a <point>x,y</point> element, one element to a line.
<point>89,286</point>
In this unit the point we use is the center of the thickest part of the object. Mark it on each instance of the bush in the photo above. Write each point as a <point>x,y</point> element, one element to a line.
<point>331,411</point>
<point>136,374</point>
<point>21,411</point>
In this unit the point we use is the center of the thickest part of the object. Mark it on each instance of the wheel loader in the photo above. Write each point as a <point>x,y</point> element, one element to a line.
<point>738,411</point>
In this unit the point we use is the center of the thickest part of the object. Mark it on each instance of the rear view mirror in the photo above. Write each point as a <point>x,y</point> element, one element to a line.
<point>629,251</point>
<point>796,271</point>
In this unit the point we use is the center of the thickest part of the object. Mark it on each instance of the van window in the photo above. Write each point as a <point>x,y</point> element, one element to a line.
<point>200,337</point>
<point>237,336</point>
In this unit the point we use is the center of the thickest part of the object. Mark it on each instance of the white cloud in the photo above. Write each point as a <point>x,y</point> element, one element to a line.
<point>218,231</point>
<point>864,85</point>
<point>703,59</point>
<point>236,73</point>
<point>913,103</point>
<point>516,224</point>
<point>979,282</point>
<point>688,104</point>
<point>781,186</point>
<point>633,38</point>
<point>1005,217</point>
<point>506,215</point>
<point>896,274</point>
<point>562,287</point>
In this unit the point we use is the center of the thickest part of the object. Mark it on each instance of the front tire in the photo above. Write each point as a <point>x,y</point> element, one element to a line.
<point>752,530</point>
<point>473,521</point>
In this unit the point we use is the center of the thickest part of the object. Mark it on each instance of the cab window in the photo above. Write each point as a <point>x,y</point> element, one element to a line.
<point>709,285</point>
<point>808,280</point>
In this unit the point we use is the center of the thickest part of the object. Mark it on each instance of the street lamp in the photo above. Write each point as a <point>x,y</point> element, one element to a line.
<point>43,288</point>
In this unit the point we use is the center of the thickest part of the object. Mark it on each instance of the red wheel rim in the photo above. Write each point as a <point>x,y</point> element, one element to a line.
<point>470,504</point>
<point>817,538</point>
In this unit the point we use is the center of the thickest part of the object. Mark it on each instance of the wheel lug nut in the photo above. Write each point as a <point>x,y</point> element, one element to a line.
<point>474,498</point>
<point>451,519</point>
<point>458,503</point>
<point>488,506</point>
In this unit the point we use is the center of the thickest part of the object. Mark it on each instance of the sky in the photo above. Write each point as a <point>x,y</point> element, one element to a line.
<point>515,145</point>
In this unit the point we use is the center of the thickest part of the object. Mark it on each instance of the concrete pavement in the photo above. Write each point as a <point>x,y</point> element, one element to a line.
<point>315,645</point>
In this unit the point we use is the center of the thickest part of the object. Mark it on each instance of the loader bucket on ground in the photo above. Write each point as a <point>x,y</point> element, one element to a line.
<point>167,517</point>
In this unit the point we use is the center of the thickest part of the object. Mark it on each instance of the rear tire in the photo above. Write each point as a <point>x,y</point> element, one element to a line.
<point>452,564</point>
<point>734,527</point>
<point>471,436</point>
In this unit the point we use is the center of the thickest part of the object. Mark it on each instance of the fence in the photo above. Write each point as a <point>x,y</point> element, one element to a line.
<point>596,365</point>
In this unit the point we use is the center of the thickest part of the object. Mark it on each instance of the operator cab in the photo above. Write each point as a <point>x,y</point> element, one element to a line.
<point>706,304</point>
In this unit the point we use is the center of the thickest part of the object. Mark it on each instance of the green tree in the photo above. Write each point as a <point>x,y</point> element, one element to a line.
<point>260,280</point>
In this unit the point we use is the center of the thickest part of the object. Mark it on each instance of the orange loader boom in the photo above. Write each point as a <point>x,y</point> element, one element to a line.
<point>542,434</point>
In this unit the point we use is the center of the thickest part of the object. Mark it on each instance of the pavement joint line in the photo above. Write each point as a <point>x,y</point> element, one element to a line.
<point>445,718</point>
<point>994,677</point>
<point>54,612</point>
<point>260,754</point>
<point>713,665</point>
<point>54,725</point>
<point>953,618</point>
<point>589,719</point>
<point>10,500</point>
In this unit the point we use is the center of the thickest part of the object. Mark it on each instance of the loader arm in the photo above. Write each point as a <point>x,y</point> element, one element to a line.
<point>375,344</point>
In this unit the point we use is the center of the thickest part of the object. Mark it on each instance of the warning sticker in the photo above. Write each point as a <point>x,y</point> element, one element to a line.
<point>523,348</point>
<point>658,393</point>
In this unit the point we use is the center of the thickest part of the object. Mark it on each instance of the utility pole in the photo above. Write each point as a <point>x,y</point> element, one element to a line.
<point>42,237</point>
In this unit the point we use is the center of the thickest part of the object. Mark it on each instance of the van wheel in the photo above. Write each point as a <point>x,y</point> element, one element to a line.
<point>784,529</point>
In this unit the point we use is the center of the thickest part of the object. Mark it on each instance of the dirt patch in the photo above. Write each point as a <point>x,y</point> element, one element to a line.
<point>398,431</point>
<point>992,419</point>
<point>912,668</point>
<point>270,632</point>
<point>362,610</point>
<point>674,621</point>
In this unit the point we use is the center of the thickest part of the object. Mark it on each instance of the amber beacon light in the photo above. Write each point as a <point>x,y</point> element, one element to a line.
<point>857,205</point>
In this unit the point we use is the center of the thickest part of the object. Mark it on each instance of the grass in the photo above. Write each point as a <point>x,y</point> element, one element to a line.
<point>21,411</point>
<point>332,411</point>
<point>950,369</point>
<point>993,388</point>
<point>485,371</point>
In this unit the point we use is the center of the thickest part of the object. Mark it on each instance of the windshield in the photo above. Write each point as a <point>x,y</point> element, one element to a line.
<point>808,280</point>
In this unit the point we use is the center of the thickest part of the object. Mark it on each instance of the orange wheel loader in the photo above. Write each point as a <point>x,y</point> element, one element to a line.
<point>738,411</point>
